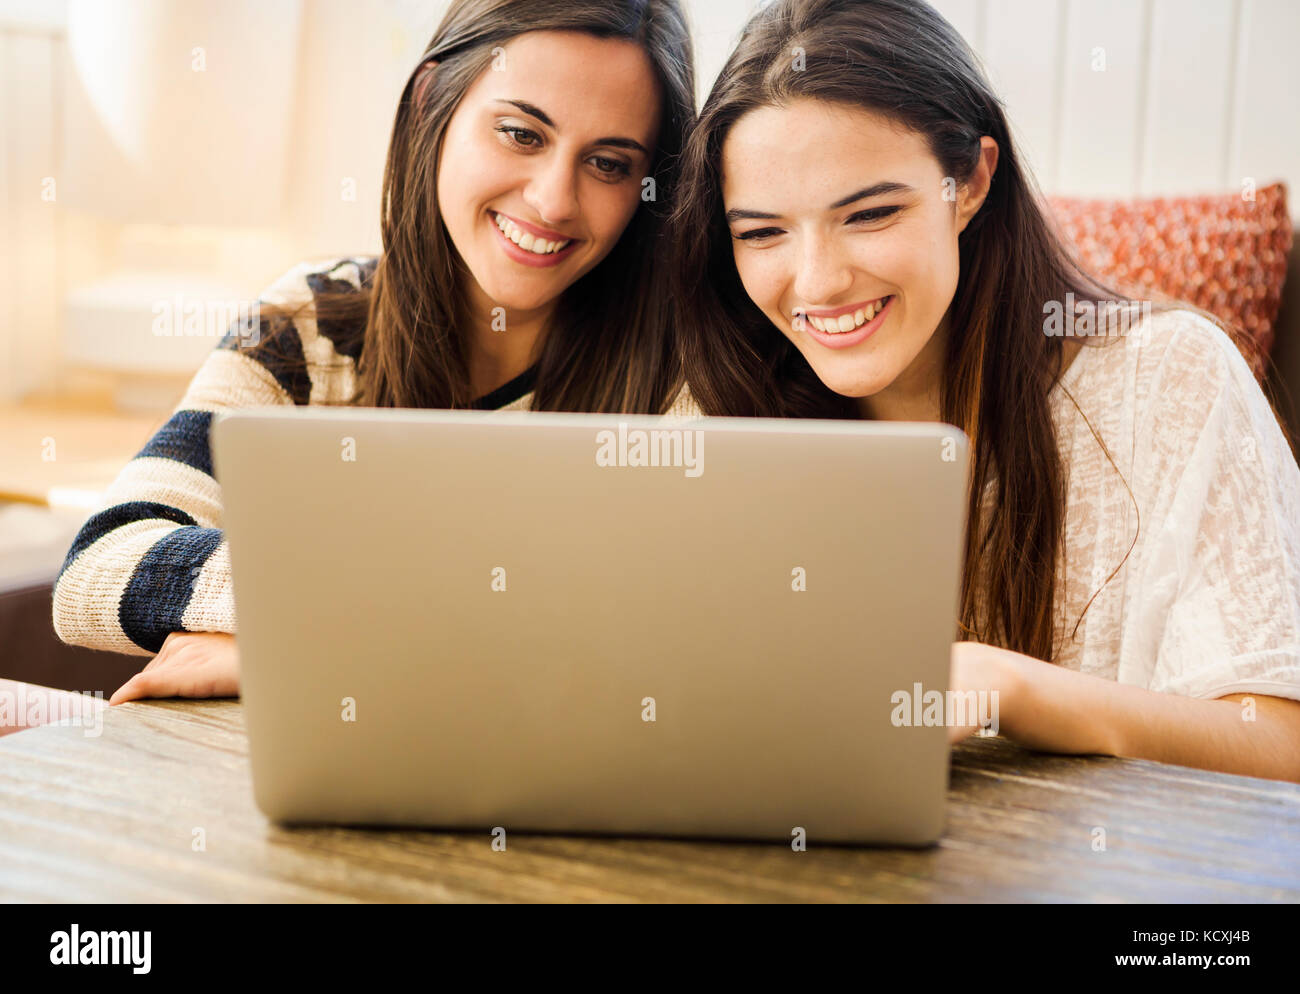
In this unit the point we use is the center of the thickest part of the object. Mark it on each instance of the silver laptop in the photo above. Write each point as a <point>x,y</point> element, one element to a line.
<point>595,623</point>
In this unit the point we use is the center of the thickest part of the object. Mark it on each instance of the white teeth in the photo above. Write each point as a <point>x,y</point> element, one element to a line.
<point>526,239</point>
<point>845,322</point>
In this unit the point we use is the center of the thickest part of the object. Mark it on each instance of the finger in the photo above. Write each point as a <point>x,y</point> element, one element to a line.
<point>161,682</point>
<point>207,678</point>
<point>155,684</point>
<point>216,677</point>
<point>129,691</point>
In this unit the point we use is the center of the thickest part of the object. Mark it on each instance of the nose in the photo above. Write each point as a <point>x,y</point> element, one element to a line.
<point>552,190</point>
<point>823,273</point>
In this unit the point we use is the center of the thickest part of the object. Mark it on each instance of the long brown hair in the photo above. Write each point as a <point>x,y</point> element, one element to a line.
<point>901,59</point>
<point>609,345</point>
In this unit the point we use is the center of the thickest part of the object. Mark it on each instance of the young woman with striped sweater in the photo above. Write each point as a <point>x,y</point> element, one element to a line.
<point>532,150</point>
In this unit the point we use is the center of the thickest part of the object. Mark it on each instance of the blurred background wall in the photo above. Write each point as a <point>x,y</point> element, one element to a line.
<point>211,144</point>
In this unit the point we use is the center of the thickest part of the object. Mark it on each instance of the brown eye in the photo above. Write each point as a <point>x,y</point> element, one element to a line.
<point>611,167</point>
<point>521,137</point>
<point>758,234</point>
<point>874,214</point>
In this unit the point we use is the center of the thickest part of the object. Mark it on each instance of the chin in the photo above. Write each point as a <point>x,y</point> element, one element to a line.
<point>850,383</point>
<point>513,297</point>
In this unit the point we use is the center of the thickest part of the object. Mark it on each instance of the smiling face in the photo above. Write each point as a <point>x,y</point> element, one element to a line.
<point>542,161</point>
<point>844,239</point>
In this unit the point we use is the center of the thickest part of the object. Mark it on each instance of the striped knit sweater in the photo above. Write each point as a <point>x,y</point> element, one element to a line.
<point>153,559</point>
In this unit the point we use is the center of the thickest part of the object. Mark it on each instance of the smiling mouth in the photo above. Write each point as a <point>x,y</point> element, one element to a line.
<point>844,323</point>
<point>526,240</point>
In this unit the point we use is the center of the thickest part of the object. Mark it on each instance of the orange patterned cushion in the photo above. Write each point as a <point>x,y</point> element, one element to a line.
<point>1222,253</point>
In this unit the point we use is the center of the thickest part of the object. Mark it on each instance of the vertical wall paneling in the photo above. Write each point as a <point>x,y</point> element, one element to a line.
<point>30,147</point>
<point>8,232</point>
<point>715,29</point>
<point>1266,138</point>
<point>1235,46</point>
<point>1102,100</point>
<point>1190,91</point>
<point>1024,64</point>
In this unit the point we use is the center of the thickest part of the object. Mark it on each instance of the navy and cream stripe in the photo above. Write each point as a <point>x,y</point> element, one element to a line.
<point>153,560</point>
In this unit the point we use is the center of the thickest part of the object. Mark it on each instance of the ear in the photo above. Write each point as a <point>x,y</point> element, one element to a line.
<point>424,78</point>
<point>976,189</point>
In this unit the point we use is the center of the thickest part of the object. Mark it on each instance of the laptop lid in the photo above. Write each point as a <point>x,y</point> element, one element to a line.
<point>594,623</point>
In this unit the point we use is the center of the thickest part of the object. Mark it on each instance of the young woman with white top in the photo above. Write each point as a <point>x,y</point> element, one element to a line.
<point>858,238</point>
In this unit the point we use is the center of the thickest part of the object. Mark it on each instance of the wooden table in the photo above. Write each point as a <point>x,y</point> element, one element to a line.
<point>113,818</point>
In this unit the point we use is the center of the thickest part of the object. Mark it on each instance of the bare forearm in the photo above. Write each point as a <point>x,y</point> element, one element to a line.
<point>1064,711</point>
<point>1216,734</point>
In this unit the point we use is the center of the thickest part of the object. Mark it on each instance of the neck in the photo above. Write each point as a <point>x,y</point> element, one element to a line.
<point>502,346</point>
<point>914,393</point>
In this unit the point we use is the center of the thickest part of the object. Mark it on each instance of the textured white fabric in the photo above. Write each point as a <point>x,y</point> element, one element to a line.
<point>1208,601</point>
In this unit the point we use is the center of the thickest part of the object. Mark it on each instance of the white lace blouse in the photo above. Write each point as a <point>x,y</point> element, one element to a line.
<point>1208,601</point>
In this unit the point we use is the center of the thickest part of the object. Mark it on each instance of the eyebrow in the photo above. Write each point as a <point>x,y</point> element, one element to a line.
<point>875,190</point>
<point>541,115</point>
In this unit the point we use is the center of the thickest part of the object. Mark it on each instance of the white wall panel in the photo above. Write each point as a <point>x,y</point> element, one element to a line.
<point>30,308</point>
<point>1265,142</point>
<point>1191,77</point>
<point>1022,42</point>
<point>1103,100</point>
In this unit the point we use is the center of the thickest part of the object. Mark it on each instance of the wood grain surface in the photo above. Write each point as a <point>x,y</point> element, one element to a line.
<point>113,818</point>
